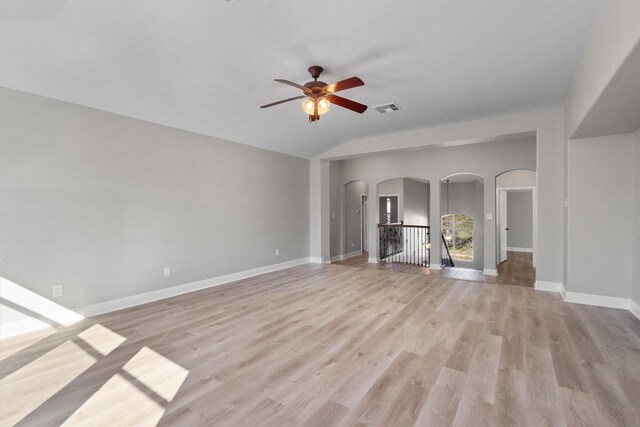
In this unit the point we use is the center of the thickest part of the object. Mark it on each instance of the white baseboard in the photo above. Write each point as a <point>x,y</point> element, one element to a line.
<point>337,258</point>
<point>435,267</point>
<point>598,300</point>
<point>490,272</point>
<point>541,285</point>
<point>519,249</point>
<point>563,292</point>
<point>372,260</point>
<point>635,309</point>
<point>133,300</point>
<point>29,325</point>
<point>316,260</point>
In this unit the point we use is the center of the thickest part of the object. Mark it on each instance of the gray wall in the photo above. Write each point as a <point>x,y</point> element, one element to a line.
<point>636,220</point>
<point>517,178</point>
<point>520,219</point>
<point>600,238</point>
<point>353,222</point>
<point>466,198</point>
<point>416,202</point>
<point>337,209</point>
<point>102,203</point>
<point>392,187</point>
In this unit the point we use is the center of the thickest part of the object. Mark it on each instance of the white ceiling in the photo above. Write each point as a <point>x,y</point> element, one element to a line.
<point>207,65</point>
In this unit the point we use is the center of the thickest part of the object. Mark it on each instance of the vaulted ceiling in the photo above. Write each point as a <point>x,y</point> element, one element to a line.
<point>207,65</point>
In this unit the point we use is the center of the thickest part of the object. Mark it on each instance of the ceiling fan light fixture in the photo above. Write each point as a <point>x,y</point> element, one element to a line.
<point>323,105</point>
<point>308,105</point>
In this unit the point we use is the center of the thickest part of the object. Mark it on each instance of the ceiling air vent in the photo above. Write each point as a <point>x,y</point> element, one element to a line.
<point>387,108</point>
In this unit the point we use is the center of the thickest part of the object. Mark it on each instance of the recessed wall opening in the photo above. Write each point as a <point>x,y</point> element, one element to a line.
<point>516,223</point>
<point>461,221</point>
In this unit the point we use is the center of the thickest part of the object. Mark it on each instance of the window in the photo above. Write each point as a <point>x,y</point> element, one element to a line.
<point>388,210</point>
<point>457,230</point>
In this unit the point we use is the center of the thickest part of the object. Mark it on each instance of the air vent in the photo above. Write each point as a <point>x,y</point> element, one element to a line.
<point>387,108</point>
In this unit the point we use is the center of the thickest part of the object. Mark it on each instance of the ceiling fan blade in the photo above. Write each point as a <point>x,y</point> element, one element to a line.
<point>287,82</point>
<point>283,101</point>
<point>344,84</point>
<point>348,104</point>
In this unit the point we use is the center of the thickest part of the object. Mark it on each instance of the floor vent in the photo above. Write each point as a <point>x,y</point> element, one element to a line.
<point>387,108</point>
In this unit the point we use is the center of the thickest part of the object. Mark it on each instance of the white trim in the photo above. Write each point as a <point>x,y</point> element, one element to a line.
<point>337,258</point>
<point>541,285</point>
<point>147,297</point>
<point>29,325</point>
<point>563,292</point>
<point>372,260</point>
<point>598,300</point>
<point>635,309</point>
<point>316,260</point>
<point>435,267</point>
<point>510,249</point>
<point>490,272</point>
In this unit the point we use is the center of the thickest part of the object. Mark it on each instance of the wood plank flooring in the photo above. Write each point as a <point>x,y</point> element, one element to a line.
<point>517,270</point>
<point>330,345</point>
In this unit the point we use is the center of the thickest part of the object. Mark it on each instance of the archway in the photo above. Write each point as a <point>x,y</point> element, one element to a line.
<point>462,220</point>
<point>516,221</point>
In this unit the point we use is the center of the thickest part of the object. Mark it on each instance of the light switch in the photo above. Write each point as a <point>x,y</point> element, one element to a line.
<point>489,216</point>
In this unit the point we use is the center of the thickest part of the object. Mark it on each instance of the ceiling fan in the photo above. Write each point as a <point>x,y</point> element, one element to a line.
<point>318,96</point>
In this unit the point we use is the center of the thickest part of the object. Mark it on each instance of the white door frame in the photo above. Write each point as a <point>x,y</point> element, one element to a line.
<point>364,222</point>
<point>534,199</point>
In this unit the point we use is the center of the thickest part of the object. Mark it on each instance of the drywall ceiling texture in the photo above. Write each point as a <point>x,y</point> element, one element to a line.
<point>516,178</point>
<point>206,66</point>
<point>601,216</point>
<point>102,203</point>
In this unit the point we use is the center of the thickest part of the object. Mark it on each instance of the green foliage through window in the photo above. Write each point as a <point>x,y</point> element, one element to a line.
<point>458,234</point>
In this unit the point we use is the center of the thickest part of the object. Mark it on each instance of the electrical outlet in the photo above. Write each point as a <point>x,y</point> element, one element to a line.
<point>352,244</point>
<point>277,252</point>
<point>167,271</point>
<point>57,291</point>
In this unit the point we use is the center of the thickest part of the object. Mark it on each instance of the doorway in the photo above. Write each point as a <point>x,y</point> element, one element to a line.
<point>516,222</point>
<point>364,215</point>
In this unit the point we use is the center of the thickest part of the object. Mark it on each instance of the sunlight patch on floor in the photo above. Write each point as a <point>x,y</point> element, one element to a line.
<point>102,339</point>
<point>155,371</point>
<point>30,386</point>
<point>120,402</point>
<point>117,402</point>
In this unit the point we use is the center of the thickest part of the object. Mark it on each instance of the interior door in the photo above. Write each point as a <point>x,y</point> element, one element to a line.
<point>365,222</point>
<point>502,224</point>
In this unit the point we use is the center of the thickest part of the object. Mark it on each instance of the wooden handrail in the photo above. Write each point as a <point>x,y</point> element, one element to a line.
<point>402,225</point>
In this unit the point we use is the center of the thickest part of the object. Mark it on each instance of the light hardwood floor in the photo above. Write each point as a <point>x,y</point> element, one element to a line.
<point>517,270</point>
<point>333,345</point>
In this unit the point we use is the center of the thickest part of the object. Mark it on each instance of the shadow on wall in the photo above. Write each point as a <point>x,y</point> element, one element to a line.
<point>66,348</point>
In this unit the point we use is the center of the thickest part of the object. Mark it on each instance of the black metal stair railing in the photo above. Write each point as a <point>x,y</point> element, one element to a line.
<point>408,244</point>
<point>445,255</point>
